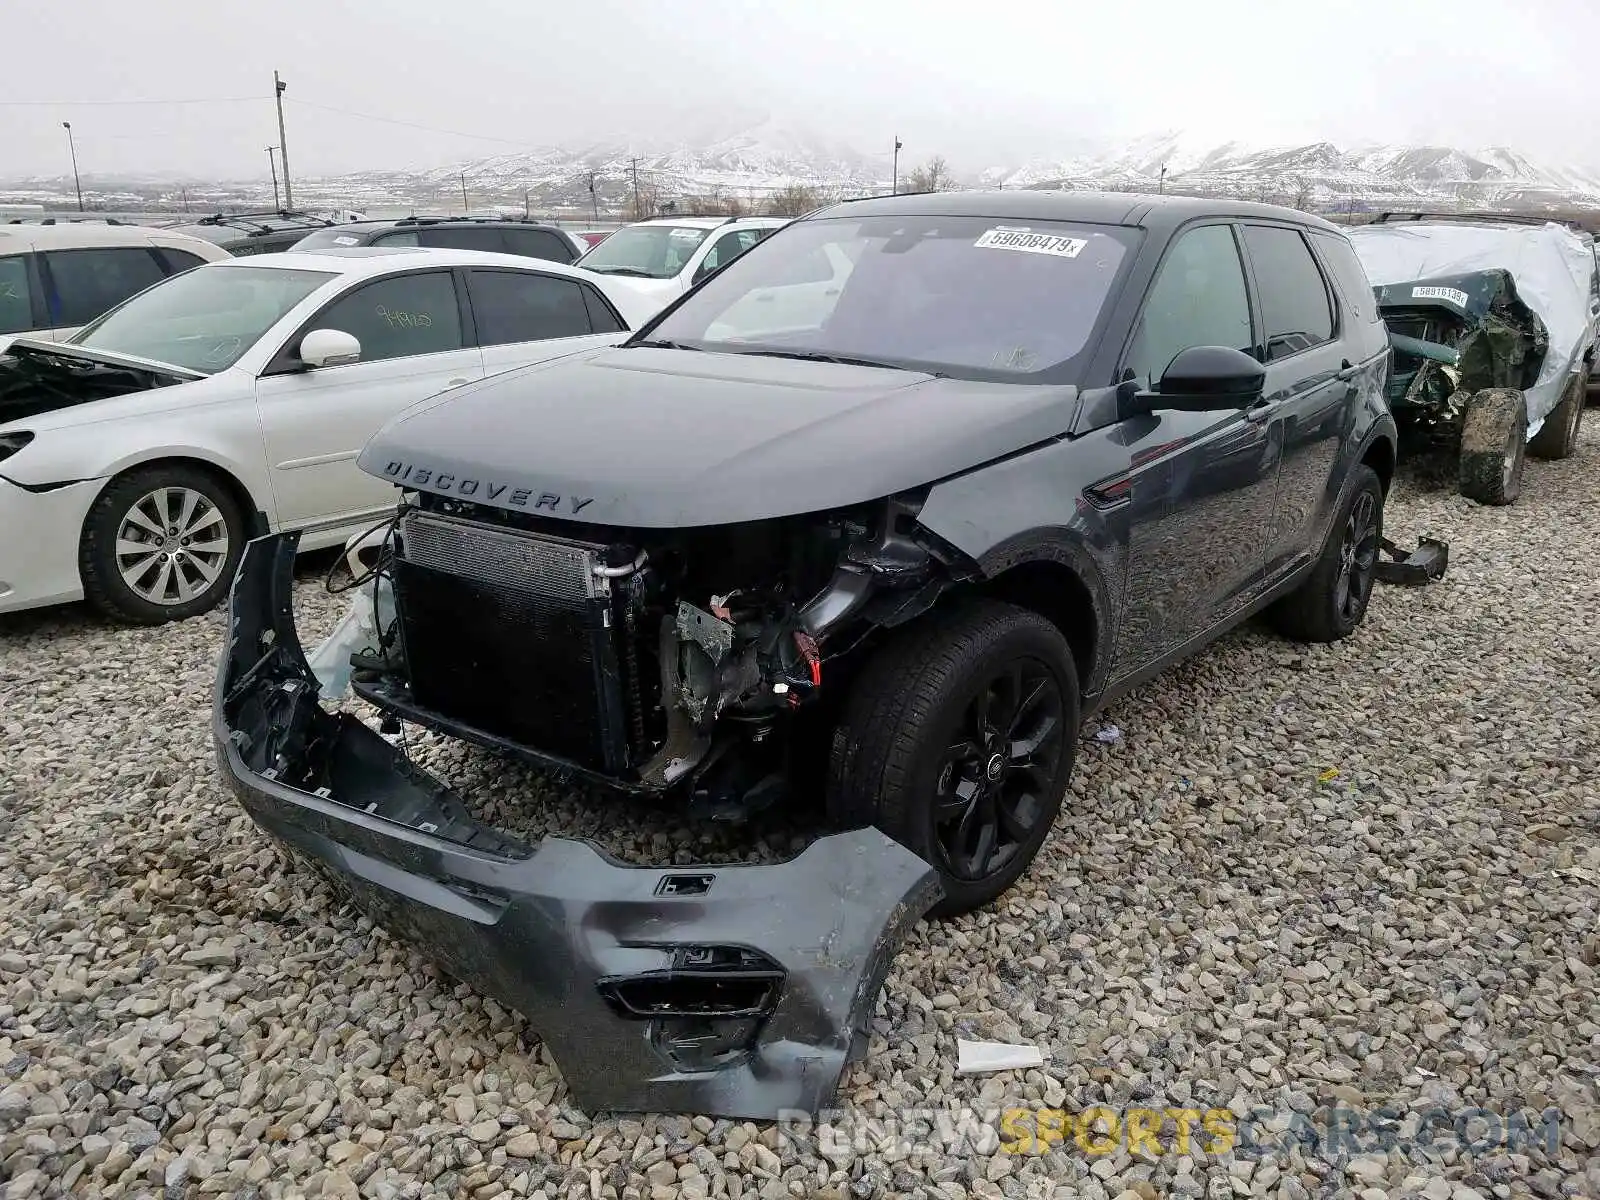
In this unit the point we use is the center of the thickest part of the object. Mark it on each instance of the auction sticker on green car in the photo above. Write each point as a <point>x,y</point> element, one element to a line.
<point>1454,295</point>
<point>1003,238</point>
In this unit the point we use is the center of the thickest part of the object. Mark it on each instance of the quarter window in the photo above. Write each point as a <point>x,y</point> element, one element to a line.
<point>464,238</point>
<point>16,297</point>
<point>539,243</point>
<point>513,306</point>
<point>1199,299</point>
<point>86,283</point>
<point>399,317</point>
<point>1294,296</point>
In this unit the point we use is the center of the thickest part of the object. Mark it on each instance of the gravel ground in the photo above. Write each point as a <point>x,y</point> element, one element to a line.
<point>1345,876</point>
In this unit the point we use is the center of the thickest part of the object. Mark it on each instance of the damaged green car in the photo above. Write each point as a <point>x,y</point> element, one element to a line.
<point>1492,327</point>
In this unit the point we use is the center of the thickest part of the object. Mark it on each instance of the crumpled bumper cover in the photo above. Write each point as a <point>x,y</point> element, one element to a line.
<point>736,991</point>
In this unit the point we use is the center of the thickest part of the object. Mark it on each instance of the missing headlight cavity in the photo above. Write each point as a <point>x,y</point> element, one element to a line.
<point>684,885</point>
<point>646,659</point>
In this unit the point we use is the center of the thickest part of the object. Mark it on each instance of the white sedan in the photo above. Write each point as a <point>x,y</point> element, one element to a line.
<point>232,400</point>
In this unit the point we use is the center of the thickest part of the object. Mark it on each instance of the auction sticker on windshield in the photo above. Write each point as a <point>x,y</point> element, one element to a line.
<point>1454,295</point>
<point>1032,243</point>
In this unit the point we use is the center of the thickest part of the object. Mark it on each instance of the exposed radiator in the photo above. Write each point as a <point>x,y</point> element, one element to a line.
<point>513,633</point>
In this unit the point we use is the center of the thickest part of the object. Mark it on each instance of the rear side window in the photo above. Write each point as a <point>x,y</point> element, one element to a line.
<point>1354,287</point>
<point>179,260</point>
<point>405,237</point>
<point>399,317</point>
<point>602,319</point>
<point>512,306</point>
<point>464,238</point>
<point>539,243</point>
<point>16,295</point>
<point>86,283</point>
<point>1294,296</point>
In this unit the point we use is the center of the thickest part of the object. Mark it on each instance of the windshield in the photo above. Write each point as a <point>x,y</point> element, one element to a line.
<point>971,297</point>
<point>645,251</point>
<point>203,319</point>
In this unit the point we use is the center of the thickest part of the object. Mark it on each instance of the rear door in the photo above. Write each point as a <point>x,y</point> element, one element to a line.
<point>1201,491</point>
<point>1311,388</point>
<point>523,317</point>
<point>413,333</point>
<point>79,285</point>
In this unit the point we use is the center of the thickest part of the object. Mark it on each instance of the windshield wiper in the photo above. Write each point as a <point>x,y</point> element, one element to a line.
<point>634,271</point>
<point>663,344</point>
<point>820,356</point>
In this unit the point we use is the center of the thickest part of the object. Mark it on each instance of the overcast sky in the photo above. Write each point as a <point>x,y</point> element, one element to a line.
<point>982,84</point>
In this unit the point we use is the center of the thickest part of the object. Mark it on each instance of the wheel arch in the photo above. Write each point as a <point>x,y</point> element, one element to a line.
<point>257,520</point>
<point>1380,455</point>
<point>1055,577</point>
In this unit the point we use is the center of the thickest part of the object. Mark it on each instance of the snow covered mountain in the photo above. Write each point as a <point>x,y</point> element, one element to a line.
<point>752,163</point>
<point>737,159</point>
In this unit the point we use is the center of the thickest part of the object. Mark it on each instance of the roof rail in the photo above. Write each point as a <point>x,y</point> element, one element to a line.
<point>1389,218</point>
<point>430,220</point>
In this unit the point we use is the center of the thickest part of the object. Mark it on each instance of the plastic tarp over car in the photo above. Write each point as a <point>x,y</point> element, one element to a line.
<point>1552,268</point>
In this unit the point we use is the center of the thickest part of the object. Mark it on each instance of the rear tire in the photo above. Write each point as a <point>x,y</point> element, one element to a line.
<point>1332,602</point>
<point>161,543</point>
<point>1558,436</point>
<point>1494,446</point>
<point>957,740</point>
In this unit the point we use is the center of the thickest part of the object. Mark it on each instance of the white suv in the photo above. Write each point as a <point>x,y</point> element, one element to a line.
<point>669,255</point>
<point>56,278</point>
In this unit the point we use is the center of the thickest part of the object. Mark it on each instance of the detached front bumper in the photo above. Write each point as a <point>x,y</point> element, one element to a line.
<point>735,991</point>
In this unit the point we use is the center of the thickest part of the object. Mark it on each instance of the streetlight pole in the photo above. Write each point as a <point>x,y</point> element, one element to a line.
<point>897,148</point>
<point>273,163</point>
<point>73,149</point>
<point>279,86</point>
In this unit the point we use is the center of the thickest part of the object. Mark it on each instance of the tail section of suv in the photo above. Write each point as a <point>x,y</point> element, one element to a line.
<point>495,235</point>
<point>56,278</point>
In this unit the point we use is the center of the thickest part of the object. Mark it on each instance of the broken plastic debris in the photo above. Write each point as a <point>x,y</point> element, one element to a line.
<point>1109,736</point>
<point>977,1058</point>
<point>1329,775</point>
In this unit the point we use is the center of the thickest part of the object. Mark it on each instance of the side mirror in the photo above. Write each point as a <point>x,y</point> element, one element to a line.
<point>329,348</point>
<point>1206,379</point>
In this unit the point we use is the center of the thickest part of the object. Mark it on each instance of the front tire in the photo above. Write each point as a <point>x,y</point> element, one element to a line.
<point>1333,600</point>
<point>161,543</point>
<point>957,741</point>
<point>1494,446</point>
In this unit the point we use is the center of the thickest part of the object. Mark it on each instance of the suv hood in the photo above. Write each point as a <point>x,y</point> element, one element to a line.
<point>659,438</point>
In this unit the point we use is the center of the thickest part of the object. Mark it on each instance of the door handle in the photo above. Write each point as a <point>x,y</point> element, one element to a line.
<point>1347,371</point>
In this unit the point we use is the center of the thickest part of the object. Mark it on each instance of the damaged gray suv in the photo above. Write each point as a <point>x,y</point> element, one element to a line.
<point>878,513</point>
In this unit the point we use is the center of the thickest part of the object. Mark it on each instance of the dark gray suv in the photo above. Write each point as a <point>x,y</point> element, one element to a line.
<point>879,512</point>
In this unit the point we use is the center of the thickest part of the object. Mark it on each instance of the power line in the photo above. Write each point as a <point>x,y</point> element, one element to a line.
<point>121,103</point>
<point>482,137</point>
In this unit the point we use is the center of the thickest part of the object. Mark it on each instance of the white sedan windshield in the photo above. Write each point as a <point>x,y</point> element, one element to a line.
<point>203,319</point>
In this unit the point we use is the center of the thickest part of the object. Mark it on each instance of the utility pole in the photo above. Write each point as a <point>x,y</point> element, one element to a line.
<point>278,86</point>
<point>1162,184</point>
<point>526,213</point>
<point>594,198</point>
<point>638,210</point>
<point>897,148</point>
<point>273,164</point>
<point>73,149</point>
<point>464,205</point>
